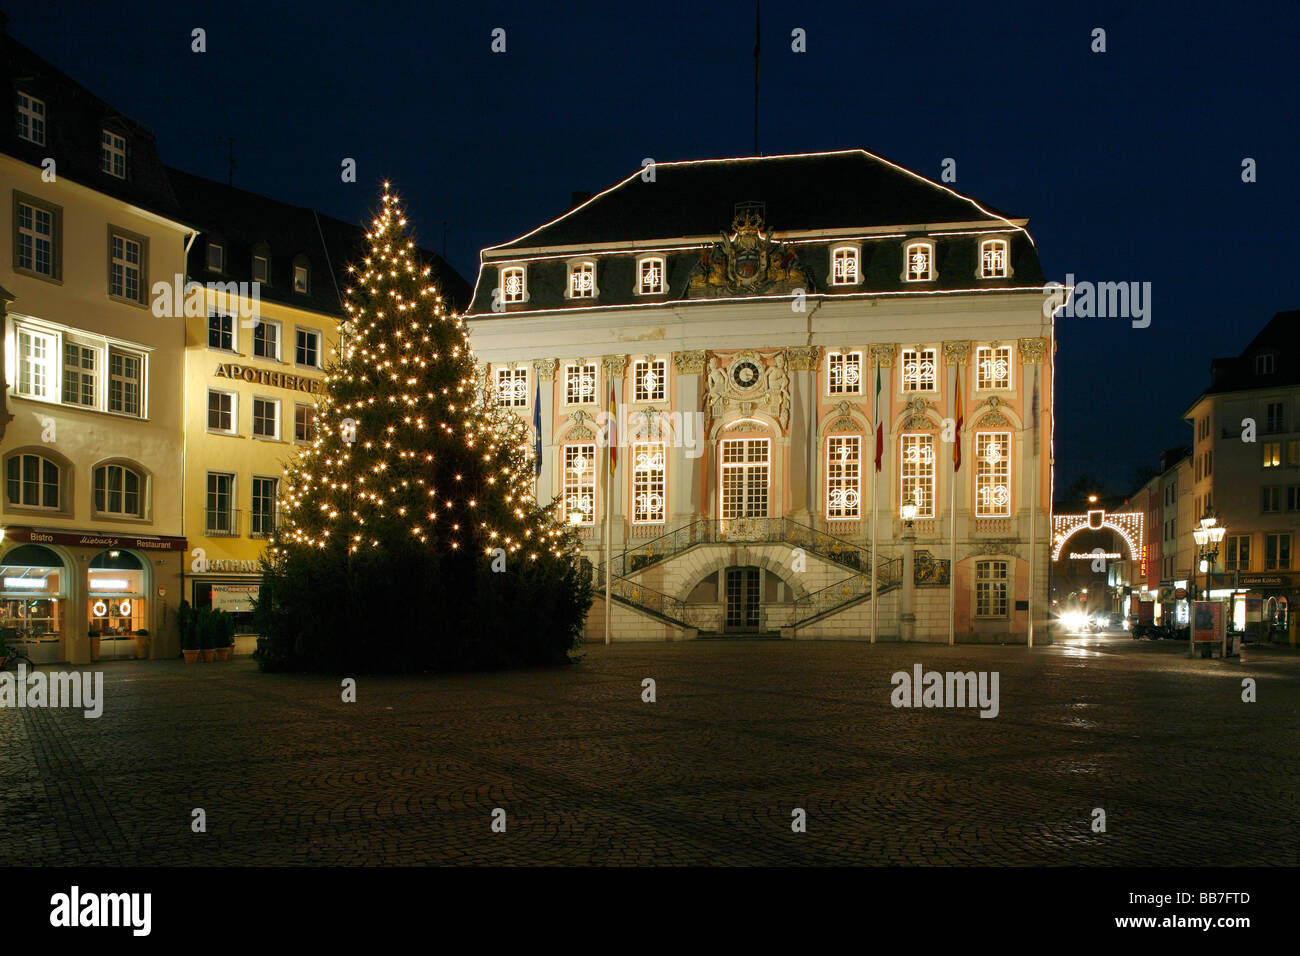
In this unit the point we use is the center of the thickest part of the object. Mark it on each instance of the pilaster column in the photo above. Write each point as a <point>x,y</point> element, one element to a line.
<point>544,370</point>
<point>804,452</point>
<point>685,491</point>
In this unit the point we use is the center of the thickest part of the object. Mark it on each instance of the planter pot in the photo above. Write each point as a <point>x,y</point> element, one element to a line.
<point>94,648</point>
<point>209,654</point>
<point>190,656</point>
<point>223,653</point>
<point>141,648</point>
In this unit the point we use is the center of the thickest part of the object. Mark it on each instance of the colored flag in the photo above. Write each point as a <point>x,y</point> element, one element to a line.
<point>537,430</point>
<point>1035,411</point>
<point>613,431</point>
<point>956,438</point>
<point>880,422</point>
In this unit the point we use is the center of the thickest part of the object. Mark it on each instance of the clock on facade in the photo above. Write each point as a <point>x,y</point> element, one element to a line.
<point>746,374</point>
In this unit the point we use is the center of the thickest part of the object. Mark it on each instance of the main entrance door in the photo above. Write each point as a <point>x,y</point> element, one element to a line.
<point>744,613</point>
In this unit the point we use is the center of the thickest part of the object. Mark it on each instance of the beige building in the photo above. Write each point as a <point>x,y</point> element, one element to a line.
<point>93,378</point>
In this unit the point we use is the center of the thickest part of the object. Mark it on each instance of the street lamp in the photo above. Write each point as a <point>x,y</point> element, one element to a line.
<point>1208,536</point>
<point>908,513</point>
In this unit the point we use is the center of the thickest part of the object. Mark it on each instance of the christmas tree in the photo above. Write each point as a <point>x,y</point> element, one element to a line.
<point>409,536</point>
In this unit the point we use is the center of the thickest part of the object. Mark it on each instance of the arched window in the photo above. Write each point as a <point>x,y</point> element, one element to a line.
<point>32,481</point>
<point>119,491</point>
<point>918,261</point>
<point>993,259</point>
<point>844,477</point>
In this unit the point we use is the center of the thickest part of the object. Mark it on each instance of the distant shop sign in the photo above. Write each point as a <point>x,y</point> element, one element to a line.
<point>1266,580</point>
<point>92,540</point>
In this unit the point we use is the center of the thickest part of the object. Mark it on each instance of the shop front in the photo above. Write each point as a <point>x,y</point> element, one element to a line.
<point>230,585</point>
<point>84,596</point>
<point>1266,609</point>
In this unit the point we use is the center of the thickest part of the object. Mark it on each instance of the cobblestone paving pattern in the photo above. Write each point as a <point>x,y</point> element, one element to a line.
<point>742,733</point>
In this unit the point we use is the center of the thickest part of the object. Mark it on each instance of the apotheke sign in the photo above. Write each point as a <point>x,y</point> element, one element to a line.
<point>262,376</point>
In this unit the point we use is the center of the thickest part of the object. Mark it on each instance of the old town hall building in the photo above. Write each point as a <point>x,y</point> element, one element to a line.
<point>742,315</point>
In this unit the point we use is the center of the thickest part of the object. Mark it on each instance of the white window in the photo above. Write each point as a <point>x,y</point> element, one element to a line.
<point>118,491</point>
<point>79,367</point>
<point>304,423</point>
<point>990,589</point>
<point>262,515</point>
<point>844,477</point>
<point>301,279</point>
<point>582,280</point>
<point>266,340</point>
<point>648,469</point>
<point>744,482</point>
<point>993,367</point>
<point>650,380</point>
<point>306,350</point>
<point>919,258</point>
<point>221,411</point>
<point>580,482</point>
<point>512,387</point>
<point>580,384</point>
<point>261,269</point>
<point>216,257</point>
<point>221,515</point>
<point>918,473</point>
<point>844,266</point>
<point>1265,364</point>
<point>993,259</point>
<point>266,418</point>
<point>29,113</point>
<point>650,276</point>
<point>844,373</point>
<point>221,332</point>
<point>920,370</point>
<point>514,284</point>
<point>37,240</point>
<point>126,272</point>
<point>992,474</point>
<point>112,154</point>
<point>37,352</point>
<point>125,382</point>
<point>32,481</point>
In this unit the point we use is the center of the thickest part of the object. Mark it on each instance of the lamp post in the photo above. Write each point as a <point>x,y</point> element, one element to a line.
<point>1208,535</point>
<point>907,623</point>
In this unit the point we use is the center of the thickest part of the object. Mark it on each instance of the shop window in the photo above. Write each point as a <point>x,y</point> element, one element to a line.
<point>33,600</point>
<point>115,595</point>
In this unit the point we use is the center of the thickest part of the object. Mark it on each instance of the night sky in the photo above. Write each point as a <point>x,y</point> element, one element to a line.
<point>1127,163</point>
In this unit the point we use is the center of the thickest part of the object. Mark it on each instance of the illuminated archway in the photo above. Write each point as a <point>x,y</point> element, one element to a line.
<point>1126,524</point>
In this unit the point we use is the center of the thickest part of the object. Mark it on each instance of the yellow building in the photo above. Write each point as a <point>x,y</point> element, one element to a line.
<point>255,353</point>
<point>90,427</point>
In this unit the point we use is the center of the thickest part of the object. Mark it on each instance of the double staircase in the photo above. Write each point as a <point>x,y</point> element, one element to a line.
<point>853,588</point>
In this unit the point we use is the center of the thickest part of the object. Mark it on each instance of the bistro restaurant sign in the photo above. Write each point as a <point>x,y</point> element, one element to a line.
<point>88,539</point>
<point>262,376</point>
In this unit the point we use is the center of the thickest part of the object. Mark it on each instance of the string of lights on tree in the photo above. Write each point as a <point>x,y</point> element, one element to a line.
<point>410,442</point>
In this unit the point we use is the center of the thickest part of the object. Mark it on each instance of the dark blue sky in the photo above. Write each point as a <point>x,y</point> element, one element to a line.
<point>1127,163</point>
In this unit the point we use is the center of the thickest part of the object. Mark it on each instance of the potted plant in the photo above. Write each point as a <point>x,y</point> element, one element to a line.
<point>142,643</point>
<point>225,635</point>
<point>187,619</point>
<point>208,625</point>
<point>94,644</point>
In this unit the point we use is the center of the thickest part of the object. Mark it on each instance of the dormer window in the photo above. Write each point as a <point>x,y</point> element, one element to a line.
<point>650,276</point>
<point>261,269</point>
<point>993,259</point>
<point>1265,364</point>
<point>582,280</point>
<point>918,261</point>
<point>844,265</point>
<point>112,153</point>
<point>29,117</point>
<point>301,276</point>
<point>216,257</point>
<point>514,284</point>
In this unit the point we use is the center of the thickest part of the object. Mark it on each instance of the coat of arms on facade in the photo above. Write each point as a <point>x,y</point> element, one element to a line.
<point>747,261</point>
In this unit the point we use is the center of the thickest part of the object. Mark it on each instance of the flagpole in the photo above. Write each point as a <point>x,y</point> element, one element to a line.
<point>874,502</point>
<point>609,535</point>
<point>1033,509</point>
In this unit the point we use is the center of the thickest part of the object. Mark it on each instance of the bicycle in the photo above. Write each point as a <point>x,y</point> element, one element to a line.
<point>12,652</point>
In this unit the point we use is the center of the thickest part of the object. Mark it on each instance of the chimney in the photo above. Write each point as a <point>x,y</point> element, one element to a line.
<point>578,197</point>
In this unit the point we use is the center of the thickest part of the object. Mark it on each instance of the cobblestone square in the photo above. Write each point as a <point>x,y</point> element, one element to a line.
<point>741,734</point>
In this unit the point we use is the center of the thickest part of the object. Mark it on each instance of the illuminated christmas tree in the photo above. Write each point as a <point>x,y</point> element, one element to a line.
<point>409,534</point>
